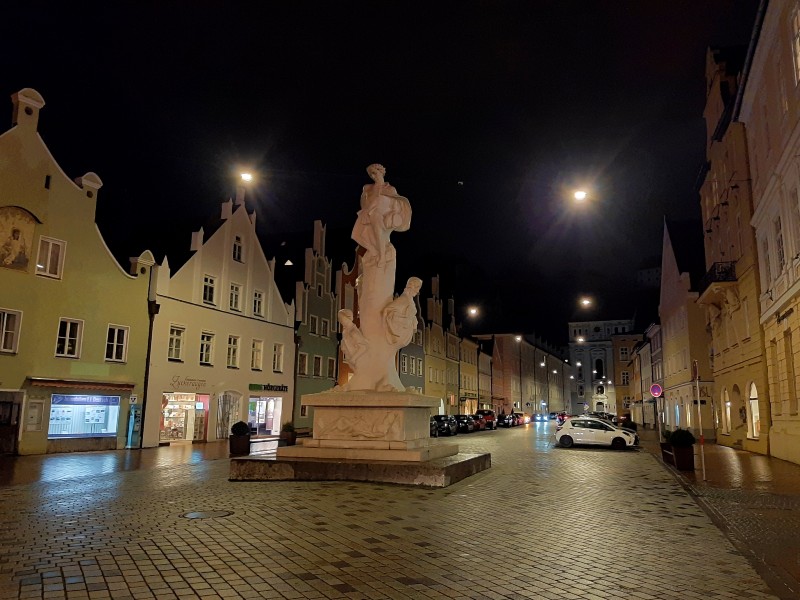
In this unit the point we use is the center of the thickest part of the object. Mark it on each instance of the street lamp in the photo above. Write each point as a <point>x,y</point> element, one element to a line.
<point>518,339</point>
<point>579,195</point>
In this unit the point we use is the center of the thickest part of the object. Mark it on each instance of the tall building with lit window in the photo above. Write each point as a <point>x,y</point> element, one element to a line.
<point>434,348</point>
<point>73,323</point>
<point>622,347</point>
<point>223,345</point>
<point>730,289</point>
<point>591,353</point>
<point>770,110</point>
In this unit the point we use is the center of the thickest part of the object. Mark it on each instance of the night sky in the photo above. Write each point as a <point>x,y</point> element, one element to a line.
<point>486,115</point>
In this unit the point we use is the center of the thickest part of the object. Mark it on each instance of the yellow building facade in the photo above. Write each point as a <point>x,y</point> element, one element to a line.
<point>74,323</point>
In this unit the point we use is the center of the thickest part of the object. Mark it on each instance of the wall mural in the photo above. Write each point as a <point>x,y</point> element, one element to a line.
<point>16,237</point>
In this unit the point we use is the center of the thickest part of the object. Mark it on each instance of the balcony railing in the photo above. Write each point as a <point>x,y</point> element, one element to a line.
<point>719,271</point>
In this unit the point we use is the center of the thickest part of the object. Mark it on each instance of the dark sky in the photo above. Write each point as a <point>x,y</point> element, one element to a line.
<point>486,115</point>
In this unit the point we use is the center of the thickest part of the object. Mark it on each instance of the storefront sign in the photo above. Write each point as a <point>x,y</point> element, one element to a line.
<point>86,400</point>
<point>187,382</point>
<point>268,387</point>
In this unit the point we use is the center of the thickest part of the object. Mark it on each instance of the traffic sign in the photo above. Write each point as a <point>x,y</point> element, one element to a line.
<point>656,390</point>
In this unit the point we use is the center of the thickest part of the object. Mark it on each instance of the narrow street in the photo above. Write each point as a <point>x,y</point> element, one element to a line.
<point>543,522</point>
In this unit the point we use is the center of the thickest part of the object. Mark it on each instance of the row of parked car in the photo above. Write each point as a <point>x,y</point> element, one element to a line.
<point>483,419</point>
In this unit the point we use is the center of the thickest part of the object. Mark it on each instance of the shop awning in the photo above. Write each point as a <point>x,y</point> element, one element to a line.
<point>77,384</point>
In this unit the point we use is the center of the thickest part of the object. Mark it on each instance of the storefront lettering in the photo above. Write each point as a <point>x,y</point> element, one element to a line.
<point>187,382</point>
<point>268,387</point>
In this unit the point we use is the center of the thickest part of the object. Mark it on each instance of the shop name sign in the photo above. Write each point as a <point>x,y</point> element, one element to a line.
<point>268,387</point>
<point>187,382</point>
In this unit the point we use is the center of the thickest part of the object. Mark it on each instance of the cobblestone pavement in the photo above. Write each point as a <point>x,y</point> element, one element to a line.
<point>755,499</point>
<point>542,523</point>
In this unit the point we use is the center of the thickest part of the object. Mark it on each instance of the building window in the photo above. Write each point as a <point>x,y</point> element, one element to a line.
<point>206,348</point>
<point>325,328</point>
<point>312,324</point>
<point>304,411</point>
<point>331,368</point>
<point>51,257</point>
<point>208,289</point>
<point>237,248</point>
<point>258,303</point>
<point>779,244</point>
<point>412,367</point>
<point>9,330</point>
<point>420,368</point>
<point>580,391</point>
<point>404,364</point>
<point>277,358</point>
<point>236,291</point>
<point>302,363</point>
<point>117,343</point>
<point>233,352</point>
<point>599,368</point>
<point>175,349</point>
<point>317,366</point>
<point>256,355</point>
<point>766,258</point>
<point>623,353</point>
<point>601,390</point>
<point>68,343</point>
<point>626,378</point>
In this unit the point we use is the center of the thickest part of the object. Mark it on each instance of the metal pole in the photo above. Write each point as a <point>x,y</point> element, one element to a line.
<point>699,418</point>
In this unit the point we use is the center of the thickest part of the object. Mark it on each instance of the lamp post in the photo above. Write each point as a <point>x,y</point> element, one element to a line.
<point>518,339</point>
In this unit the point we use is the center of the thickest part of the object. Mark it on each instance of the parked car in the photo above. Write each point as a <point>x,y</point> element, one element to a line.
<point>553,416</point>
<point>505,420</point>
<point>521,418</point>
<point>466,424</point>
<point>596,432</point>
<point>489,417</point>
<point>447,424</point>
<point>480,422</point>
<point>434,428</point>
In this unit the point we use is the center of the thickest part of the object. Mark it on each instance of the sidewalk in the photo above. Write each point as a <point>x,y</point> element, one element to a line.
<point>755,500</point>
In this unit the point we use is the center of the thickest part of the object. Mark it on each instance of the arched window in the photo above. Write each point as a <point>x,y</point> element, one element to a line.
<point>601,390</point>
<point>599,368</point>
<point>754,420</point>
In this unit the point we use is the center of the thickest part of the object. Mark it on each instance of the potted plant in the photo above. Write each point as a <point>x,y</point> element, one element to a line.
<point>682,442</point>
<point>240,439</point>
<point>288,435</point>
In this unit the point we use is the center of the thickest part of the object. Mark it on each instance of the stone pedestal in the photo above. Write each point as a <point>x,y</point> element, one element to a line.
<point>370,425</point>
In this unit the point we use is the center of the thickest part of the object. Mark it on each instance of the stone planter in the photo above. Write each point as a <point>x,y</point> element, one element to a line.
<point>287,438</point>
<point>684,457</point>
<point>239,445</point>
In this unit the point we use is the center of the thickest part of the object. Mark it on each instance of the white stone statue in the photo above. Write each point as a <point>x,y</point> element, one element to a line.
<point>386,323</point>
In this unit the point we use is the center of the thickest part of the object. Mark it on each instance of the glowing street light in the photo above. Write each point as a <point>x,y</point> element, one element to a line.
<point>517,338</point>
<point>579,195</point>
<point>473,311</point>
<point>246,177</point>
<point>580,339</point>
<point>586,301</point>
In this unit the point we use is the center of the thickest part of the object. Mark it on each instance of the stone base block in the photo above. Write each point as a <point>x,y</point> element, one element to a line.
<point>436,473</point>
<point>419,453</point>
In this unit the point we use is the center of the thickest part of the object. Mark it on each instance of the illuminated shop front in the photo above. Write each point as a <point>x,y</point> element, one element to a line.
<point>265,409</point>
<point>184,417</point>
<point>74,416</point>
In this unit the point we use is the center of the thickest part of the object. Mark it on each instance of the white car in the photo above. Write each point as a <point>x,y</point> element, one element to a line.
<point>586,430</point>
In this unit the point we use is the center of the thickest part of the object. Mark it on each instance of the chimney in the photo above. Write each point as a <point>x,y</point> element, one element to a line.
<point>319,238</point>
<point>27,104</point>
<point>227,209</point>
<point>197,240</point>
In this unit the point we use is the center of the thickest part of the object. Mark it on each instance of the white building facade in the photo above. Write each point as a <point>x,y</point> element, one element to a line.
<point>223,339</point>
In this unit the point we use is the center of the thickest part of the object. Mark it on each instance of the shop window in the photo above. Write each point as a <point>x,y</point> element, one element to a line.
<point>206,348</point>
<point>258,303</point>
<point>117,343</point>
<point>256,355</point>
<point>331,368</point>
<point>237,248</point>
<point>175,349</point>
<point>68,342</point>
<point>302,363</point>
<point>317,366</point>
<point>277,358</point>
<point>10,321</point>
<point>50,262</point>
<point>209,285</point>
<point>83,416</point>
<point>264,415</point>
<point>236,291</point>
<point>233,352</point>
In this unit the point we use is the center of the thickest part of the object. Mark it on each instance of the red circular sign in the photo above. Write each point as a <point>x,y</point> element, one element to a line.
<point>656,390</point>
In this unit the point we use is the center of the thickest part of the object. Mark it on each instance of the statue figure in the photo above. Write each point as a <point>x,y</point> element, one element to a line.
<point>715,317</point>
<point>385,323</point>
<point>400,315</point>
<point>354,344</point>
<point>383,210</point>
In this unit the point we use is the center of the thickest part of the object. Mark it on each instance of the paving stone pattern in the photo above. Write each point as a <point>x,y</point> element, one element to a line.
<point>542,523</point>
